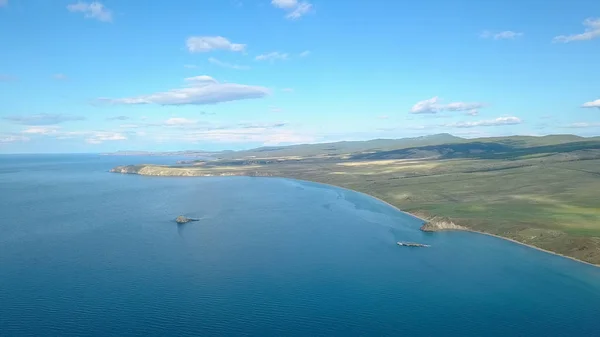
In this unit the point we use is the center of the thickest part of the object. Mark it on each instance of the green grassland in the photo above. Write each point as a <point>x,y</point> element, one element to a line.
<point>542,191</point>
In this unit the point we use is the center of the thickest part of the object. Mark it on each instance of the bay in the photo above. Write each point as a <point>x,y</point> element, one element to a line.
<point>87,252</point>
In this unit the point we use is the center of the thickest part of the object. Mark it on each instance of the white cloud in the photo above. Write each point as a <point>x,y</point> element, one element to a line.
<point>581,125</point>
<point>201,90</point>
<point>200,80</point>
<point>493,122</point>
<point>592,31</point>
<point>592,104</point>
<point>42,130</point>
<point>462,106</point>
<point>273,56</point>
<point>300,10</point>
<point>504,35</point>
<point>427,106</point>
<point>203,44</point>
<point>12,138</point>
<point>294,9</point>
<point>131,126</point>
<point>285,4</point>
<point>434,105</point>
<point>304,53</point>
<point>265,135</point>
<point>91,136</point>
<point>179,121</point>
<point>93,10</point>
<point>98,137</point>
<point>43,119</point>
<point>226,65</point>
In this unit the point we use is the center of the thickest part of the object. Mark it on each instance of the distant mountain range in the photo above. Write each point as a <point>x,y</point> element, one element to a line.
<point>379,146</point>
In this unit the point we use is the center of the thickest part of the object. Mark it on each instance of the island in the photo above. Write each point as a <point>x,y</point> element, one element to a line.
<point>182,219</point>
<point>411,244</point>
<point>539,191</point>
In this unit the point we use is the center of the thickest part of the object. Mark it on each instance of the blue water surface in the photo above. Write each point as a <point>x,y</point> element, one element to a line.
<point>87,252</point>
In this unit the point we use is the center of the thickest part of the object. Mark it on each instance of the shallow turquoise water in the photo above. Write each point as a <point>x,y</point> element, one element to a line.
<point>83,251</point>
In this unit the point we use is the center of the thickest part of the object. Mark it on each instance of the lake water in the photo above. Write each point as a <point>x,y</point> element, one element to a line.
<point>87,252</point>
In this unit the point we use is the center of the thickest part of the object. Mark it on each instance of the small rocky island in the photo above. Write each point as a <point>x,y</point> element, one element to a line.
<point>412,244</point>
<point>182,219</point>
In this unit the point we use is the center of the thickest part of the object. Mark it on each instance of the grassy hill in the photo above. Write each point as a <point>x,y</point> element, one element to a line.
<point>343,147</point>
<point>542,191</point>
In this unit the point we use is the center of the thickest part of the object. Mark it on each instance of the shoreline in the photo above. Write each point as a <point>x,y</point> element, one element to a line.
<point>456,230</point>
<point>415,216</point>
<point>531,246</point>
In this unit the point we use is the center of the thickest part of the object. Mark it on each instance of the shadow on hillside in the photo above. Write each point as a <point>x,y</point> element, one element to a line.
<point>477,150</point>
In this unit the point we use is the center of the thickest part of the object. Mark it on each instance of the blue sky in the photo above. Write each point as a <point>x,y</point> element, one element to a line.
<point>232,74</point>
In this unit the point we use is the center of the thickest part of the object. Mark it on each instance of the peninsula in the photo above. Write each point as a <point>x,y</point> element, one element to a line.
<point>539,191</point>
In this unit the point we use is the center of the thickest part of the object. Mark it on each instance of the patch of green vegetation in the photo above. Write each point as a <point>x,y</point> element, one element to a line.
<point>543,191</point>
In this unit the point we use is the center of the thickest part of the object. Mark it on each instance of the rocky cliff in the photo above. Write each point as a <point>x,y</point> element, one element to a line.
<point>436,224</point>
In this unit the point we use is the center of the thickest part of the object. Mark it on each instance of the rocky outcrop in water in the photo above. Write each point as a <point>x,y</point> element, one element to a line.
<point>411,244</point>
<point>182,219</point>
<point>437,224</point>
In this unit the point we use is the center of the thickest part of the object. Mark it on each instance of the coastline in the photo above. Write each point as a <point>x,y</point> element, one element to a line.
<point>466,230</point>
<point>410,214</point>
<point>534,247</point>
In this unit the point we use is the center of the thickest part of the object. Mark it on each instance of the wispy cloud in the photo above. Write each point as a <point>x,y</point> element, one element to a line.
<point>434,105</point>
<point>250,134</point>
<point>304,53</point>
<point>592,31</point>
<point>504,35</point>
<point>60,77</point>
<point>92,10</point>
<point>200,90</point>
<point>273,56</point>
<point>582,125</point>
<point>42,130</point>
<point>493,122</point>
<point>262,125</point>
<point>180,121</point>
<point>10,138</point>
<point>203,44</point>
<point>43,119</point>
<point>89,136</point>
<point>187,130</point>
<point>98,137</point>
<point>294,8</point>
<point>227,65</point>
<point>200,80</point>
<point>592,104</point>
<point>117,118</point>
